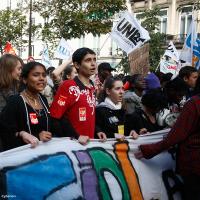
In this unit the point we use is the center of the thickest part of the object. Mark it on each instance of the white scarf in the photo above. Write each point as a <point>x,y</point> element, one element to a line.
<point>112,105</point>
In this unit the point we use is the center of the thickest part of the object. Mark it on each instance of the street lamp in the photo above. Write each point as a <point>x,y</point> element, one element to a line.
<point>30,30</point>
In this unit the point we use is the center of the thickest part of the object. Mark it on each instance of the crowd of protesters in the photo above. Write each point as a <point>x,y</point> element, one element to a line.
<point>73,100</point>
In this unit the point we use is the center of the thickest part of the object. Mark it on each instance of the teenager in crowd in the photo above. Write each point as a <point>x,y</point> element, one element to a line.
<point>25,119</point>
<point>57,73</point>
<point>189,75</point>
<point>186,135</point>
<point>10,71</point>
<point>104,71</point>
<point>175,90</point>
<point>49,90</point>
<point>69,73</point>
<point>164,78</point>
<point>109,112</point>
<point>73,108</point>
<point>152,81</point>
<point>143,120</point>
<point>197,87</point>
<point>132,97</point>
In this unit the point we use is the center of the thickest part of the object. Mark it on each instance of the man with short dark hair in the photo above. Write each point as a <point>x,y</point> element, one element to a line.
<point>73,108</point>
<point>104,71</point>
<point>189,75</point>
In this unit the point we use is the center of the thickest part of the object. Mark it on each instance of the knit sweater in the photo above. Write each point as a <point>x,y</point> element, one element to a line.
<point>108,117</point>
<point>185,133</point>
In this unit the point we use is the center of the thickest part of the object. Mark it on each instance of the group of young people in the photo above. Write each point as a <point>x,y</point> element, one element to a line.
<point>25,114</point>
<point>84,109</point>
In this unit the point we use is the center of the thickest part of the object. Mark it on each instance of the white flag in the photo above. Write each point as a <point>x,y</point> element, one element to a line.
<point>129,34</point>
<point>169,66</point>
<point>45,57</point>
<point>63,51</point>
<point>172,52</point>
<point>191,50</point>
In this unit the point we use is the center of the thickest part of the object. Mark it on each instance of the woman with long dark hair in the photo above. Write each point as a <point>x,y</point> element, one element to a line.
<point>143,120</point>
<point>25,119</point>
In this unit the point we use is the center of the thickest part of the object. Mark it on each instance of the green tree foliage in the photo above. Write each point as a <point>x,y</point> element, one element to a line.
<point>151,22</point>
<point>13,25</point>
<point>124,65</point>
<point>72,19</point>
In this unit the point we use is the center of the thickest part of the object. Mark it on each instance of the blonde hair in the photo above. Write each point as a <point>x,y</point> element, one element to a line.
<point>8,62</point>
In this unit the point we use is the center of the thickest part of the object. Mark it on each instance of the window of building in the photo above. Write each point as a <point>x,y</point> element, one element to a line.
<point>20,49</point>
<point>33,24</point>
<point>114,48</point>
<point>163,21</point>
<point>162,17</point>
<point>33,21</point>
<point>185,20</point>
<point>96,44</point>
<point>33,50</point>
<point>8,4</point>
<point>82,41</point>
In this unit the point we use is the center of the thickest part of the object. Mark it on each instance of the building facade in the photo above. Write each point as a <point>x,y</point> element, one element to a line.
<point>175,18</point>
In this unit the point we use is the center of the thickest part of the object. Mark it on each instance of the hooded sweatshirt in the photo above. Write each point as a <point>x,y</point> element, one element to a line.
<point>108,117</point>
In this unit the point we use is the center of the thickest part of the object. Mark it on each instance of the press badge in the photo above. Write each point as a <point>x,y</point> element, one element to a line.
<point>82,114</point>
<point>34,119</point>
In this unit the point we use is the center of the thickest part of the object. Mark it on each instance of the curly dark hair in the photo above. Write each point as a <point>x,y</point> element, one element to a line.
<point>155,99</point>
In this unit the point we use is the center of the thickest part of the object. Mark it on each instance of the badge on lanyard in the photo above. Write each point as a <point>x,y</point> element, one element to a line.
<point>121,129</point>
<point>34,119</point>
<point>82,114</point>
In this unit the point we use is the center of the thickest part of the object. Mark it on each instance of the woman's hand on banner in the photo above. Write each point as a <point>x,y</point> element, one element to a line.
<point>133,134</point>
<point>142,131</point>
<point>29,139</point>
<point>102,136</point>
<point>45,136</point>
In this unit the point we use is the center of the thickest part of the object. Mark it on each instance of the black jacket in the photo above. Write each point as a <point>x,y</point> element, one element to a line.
<point>15,118</point>
<point>108,119</point>
<point>139,120</point>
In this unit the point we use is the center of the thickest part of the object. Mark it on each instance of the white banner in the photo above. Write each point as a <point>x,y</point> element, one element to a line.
<point>191,49</point>
<point>45,57</point>
<point>63,51</point>
<point>129,34</point>
<point>168,66</point>
<point>65,170</point>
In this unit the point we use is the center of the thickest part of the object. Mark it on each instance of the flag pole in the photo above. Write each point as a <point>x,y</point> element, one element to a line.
<point>1,49</point>
<point>102,46</point>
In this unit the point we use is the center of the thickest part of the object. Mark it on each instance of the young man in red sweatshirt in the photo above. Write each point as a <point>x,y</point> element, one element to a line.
<point>73,108</point>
